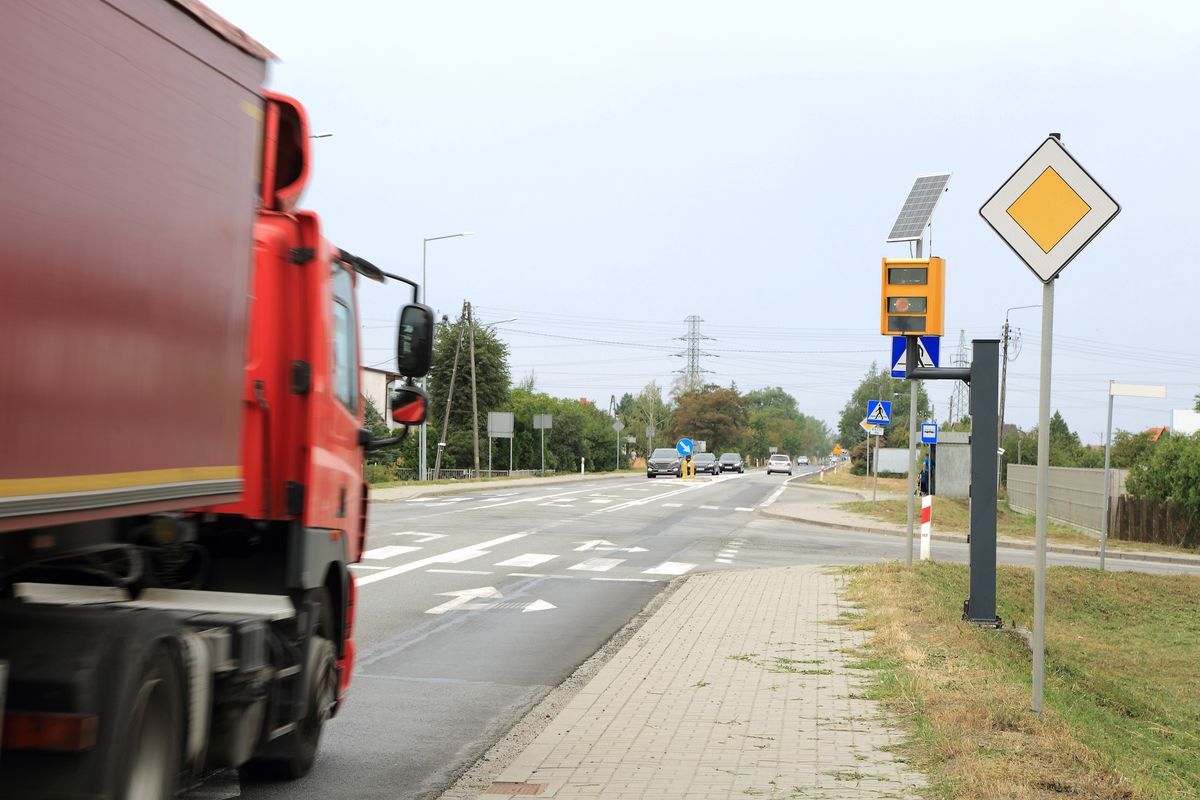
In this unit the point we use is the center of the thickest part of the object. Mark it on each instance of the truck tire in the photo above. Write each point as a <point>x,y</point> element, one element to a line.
<point>149,765</point>
<point>291,756</point>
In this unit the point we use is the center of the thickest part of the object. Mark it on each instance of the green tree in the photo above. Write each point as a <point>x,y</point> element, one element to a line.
<point>647,408</point>
<point>1196,402</point>
<point>712,414</point>
<point>878,384</point>
<point>1131,449</point>
<point>1171,474</point>
<point>774,420</point>
<point>492,381</point>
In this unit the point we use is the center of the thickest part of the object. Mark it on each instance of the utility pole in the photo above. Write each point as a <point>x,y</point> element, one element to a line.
<point>437,461</point>
<point>474,390</point>
<point>1004,367</point>
<point>692,373</point>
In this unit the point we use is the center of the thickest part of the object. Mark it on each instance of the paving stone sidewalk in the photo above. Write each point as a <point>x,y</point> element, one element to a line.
<point>739,686</point>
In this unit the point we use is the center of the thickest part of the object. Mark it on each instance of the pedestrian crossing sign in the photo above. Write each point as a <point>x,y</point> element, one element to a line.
<point>879,412</point>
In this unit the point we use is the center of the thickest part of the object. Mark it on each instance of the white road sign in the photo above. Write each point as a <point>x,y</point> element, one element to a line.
<point>1049,210</point>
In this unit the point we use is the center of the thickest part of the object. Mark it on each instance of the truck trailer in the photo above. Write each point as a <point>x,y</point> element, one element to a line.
<point>181,420</point>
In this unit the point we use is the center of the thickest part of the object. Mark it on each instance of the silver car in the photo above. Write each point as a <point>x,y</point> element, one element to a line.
<point>779,463</point>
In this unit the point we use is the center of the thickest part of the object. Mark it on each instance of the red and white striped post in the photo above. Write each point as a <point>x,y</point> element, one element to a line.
<point>926,524</point>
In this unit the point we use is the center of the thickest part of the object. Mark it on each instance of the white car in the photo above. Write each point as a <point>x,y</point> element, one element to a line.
<point>779,463</point>
<point>801,461</point>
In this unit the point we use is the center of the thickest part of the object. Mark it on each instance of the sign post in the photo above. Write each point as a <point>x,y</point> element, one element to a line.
<point>542,422</point>
<point>617,427</point>
<point>1047,212</point>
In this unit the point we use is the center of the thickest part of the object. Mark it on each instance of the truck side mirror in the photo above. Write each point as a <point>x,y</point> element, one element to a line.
<point>414,341</point>
<point>409,405</point>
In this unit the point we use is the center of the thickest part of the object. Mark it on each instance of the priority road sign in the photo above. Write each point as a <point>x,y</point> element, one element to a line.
<point>929,348</point>
<point>684,447</point>
<point>929,432</point>
<point>1049,210</point>
<point>879,412</point>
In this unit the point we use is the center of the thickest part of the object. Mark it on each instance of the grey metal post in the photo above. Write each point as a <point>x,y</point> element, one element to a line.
<point>510,453</point>
<point>984,408</point>
<point>543,451</point>
<point>1107,455</point>
<point>489,455</point>
<point>423,434</point>
<point>912,456</point>
<point>1038,645</point>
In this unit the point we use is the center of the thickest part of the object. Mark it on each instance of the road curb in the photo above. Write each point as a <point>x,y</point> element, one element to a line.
<point>1012,544</point>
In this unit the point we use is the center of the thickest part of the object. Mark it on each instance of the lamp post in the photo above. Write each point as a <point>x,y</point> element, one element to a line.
<point>1118,390</point>
<point>422,460</point>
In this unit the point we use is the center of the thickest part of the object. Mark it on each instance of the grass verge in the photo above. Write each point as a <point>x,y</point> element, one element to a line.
<point>952,515</point>
<point>1122,710</point>
<point>842,477</point>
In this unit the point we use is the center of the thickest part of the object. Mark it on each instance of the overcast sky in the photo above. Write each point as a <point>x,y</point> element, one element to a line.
<point>626,165</point>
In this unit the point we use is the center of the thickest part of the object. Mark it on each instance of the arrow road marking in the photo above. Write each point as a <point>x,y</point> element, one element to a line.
<point>421,537</point>
<point>465,600</point>
<point>452,557</point>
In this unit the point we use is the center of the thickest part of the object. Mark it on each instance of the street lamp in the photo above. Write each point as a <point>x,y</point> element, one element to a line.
<point>1119,390</point>
<point>1004,376</point>
<point>422,460</point>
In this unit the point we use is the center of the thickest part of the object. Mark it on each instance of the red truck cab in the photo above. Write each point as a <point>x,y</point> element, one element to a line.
<point>181,491</point>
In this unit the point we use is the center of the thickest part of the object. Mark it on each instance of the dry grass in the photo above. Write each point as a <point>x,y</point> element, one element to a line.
<point>1122,708</point>
<point>862,483</point>
<point>952,515</point>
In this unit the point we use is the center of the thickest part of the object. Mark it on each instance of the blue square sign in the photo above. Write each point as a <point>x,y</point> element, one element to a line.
<point>929,349</point>
<point>928,433</point>
<point>879,412</point>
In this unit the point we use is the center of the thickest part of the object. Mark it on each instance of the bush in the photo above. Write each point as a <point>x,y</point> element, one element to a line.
<point>378,473</point>
<point>858,459</point>
<point>1171,474</point>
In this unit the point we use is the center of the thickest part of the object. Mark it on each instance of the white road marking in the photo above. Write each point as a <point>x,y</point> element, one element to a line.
<point>774,496</point>
<point>669,568</point>
<point>645,500</point>
<point>672,505</point>
<point>388,551</point>
<point>724,561</point>
<point>464,600</point>
<point>709,508</point>
<point>539,499</point>
<point>597,564</point>
<point>363,566</point>
<point>595,544</point>
<point>452,557</point>
<point>743,508</point>
<point>527,560</point>
<point>601,500</point>
<point>541,575</point>
<point>627,580</point>
<point>559,504</point>
<point>461,571</point>
<point>421,538</point>
<point>727,554</point>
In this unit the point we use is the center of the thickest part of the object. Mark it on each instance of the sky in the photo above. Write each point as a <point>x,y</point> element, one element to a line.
<point>625,165</point>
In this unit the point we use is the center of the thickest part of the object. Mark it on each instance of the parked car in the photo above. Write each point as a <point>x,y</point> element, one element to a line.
<point>801,461</point>
<point>664,461</point>
<point>779,463</point>
<point>732,462</point>
<point>706,462</point>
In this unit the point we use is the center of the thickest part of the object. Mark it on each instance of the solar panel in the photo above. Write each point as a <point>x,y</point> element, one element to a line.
<point>918,208</point>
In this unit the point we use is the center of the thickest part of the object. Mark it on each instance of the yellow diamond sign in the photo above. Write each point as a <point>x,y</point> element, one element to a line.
<point>1049,210</point>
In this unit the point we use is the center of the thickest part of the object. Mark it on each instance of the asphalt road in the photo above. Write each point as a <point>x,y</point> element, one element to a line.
<point>473,606</point>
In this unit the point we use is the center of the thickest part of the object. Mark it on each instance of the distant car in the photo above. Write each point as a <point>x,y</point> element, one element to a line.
<point>664,461</point>
<point>706,462</point>
<point>732,462</point>
<point>801,461</point>
<point>779,463</point>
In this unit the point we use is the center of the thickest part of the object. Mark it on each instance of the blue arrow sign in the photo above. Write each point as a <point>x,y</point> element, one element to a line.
<point>879,412</point>
<point>930,349</point>
<point>928,433</point>
<point>684,447</point>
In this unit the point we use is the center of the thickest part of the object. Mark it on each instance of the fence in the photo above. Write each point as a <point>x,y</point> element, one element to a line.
<point>1136,519</point>
<point>1076,495</point>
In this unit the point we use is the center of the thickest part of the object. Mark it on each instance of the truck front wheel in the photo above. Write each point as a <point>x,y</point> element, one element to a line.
<point>292,755</point>
<point>150,763</point>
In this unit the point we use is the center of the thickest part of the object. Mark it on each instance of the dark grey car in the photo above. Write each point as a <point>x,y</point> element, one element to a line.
<point>663,461</point>
<point>732,462</point>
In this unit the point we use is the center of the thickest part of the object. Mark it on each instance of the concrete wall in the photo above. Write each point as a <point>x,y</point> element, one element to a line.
<point>893,459</point>
<point>1076,495</point>
<point>953,477</point>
